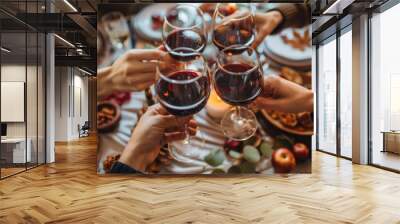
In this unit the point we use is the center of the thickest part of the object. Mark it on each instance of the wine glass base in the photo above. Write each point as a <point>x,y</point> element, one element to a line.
<point>186,148</point>
<point>239,123</point>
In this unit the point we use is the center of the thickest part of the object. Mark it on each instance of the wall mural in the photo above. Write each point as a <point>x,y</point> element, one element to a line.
<point>204,88</point>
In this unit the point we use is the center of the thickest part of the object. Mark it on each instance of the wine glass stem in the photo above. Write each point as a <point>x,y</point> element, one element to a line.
<point>120,46</point>
<point>237,108</point>
<point>187,135</point>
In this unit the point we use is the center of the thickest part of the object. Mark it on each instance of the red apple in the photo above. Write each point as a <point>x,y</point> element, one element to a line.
<point>283,160</point>
<point>300,151</point>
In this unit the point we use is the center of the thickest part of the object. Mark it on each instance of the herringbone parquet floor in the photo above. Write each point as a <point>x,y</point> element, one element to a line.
<point>70,191</point>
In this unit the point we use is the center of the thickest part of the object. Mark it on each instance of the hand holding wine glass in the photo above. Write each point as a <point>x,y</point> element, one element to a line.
<point>155,128</point>
<point>285,96</point>
<point>266,23</point>
<point>133,71</point>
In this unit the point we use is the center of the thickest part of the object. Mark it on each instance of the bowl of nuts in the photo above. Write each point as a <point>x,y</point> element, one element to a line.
<point>108,116</point>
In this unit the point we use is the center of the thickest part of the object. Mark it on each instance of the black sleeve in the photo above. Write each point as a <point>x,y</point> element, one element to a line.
<point>119,167</point>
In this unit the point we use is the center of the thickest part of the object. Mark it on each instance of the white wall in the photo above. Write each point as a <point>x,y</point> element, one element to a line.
<point>11,73</point>
<point>61,104</point>
<point>71,94</point>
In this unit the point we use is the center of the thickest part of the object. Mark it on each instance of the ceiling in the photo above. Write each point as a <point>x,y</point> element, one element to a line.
<point>336,15</point>
<point>73,20</point>
<point>76,22</point>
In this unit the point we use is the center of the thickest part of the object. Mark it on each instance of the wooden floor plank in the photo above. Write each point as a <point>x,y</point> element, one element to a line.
<point>70,191</point>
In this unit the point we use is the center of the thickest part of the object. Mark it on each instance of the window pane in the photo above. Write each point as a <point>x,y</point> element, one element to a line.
<point>385,88</point>
<point>346,94</point>
<point>327,97</point>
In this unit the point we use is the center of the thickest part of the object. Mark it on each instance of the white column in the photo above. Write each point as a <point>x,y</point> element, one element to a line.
<point>360,90</point>
<point>50,92</point>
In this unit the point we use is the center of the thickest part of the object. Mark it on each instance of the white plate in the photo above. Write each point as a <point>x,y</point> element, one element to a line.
<point>142,22</point>
<point>283,53</point>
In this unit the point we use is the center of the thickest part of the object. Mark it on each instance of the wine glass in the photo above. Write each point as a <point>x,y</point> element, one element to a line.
<point>238,80</point>
<point>233,24</point>
<point>183,87</point>
<point>117,29</point>
<point>184,32</point>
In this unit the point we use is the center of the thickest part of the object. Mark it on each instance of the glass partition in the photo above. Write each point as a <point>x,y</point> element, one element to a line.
<point>22,90</point>
<point>41,97</point>
<point>31,98</point>
<point>15,150</point>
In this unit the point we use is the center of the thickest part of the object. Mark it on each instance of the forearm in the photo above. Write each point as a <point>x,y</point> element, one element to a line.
<point>132,158</point>
<point>103,83</point>
<point>309,101</point>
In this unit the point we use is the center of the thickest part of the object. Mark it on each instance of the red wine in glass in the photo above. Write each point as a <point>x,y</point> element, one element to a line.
<point>180,44</point>
<point>233,24</point>
<point>183,93</point>
<point>239,88</point>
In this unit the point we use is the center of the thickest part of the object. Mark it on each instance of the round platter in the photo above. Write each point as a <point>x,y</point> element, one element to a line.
<point>296,130</point>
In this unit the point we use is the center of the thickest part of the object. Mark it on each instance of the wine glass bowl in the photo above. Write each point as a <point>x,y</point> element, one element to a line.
<point>238,80</point>
<point>233,24</point>
<point>238,83</point>
<point>184,34</point>
<point>183,89</point>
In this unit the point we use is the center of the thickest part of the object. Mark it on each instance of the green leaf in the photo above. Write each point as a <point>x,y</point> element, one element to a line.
<point>215,157</point>
<point>282,141</point>
<point>254,141</point>
<point>149,46</point>
<point>234,154</point>
<point>247,167</point>
<point>250,141</point>
<point>218,171</point>
<point>234,170</point>
<point>266,149</point>
<point>251,154</point>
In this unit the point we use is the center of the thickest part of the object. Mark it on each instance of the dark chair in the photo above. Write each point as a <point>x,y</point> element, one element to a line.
<point>84,130</point>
